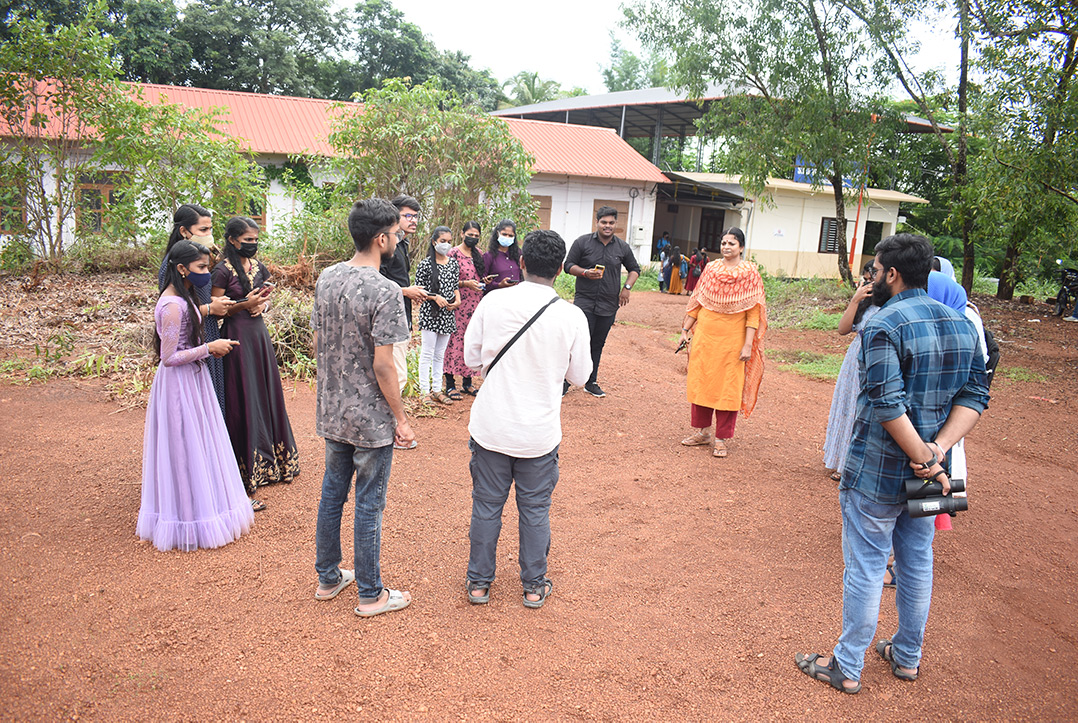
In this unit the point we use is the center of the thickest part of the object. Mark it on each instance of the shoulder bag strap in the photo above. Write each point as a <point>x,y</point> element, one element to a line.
<point>519,333</point>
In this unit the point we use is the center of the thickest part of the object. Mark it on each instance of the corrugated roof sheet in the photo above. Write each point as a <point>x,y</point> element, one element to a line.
<point>877,194</point>
<point>588,151</point>
<point>285,125</point>
<point>277,124</point>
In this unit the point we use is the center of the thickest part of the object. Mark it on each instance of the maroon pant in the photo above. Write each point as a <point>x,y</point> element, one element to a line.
<point>724,420</point>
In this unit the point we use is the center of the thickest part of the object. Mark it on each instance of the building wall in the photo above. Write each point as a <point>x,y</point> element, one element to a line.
<point>785,237</point>
<point>572,202</point>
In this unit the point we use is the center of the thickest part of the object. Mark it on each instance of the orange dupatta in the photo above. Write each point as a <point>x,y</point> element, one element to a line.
<point>731,291</point>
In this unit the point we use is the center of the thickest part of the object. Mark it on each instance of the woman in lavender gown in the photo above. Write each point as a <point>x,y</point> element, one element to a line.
<point>192,495</point>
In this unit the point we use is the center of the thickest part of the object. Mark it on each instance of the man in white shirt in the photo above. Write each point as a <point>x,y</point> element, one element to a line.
<point>515,423</point>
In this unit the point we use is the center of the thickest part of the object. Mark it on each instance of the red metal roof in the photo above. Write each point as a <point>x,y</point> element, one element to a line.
<point>588,151</point>
<point>277,124</point>
<point>285,125</point>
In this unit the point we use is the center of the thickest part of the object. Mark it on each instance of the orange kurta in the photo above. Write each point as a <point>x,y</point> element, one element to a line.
<point>675,281</point>
<point>716,373</point>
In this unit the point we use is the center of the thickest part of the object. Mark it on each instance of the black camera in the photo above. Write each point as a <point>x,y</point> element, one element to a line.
<point>925,498</point>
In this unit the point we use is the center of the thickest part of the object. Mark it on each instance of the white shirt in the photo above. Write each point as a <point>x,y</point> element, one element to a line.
<point>518,409</point>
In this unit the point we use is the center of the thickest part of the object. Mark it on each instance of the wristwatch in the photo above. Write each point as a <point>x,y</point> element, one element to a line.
<point>628,288</point>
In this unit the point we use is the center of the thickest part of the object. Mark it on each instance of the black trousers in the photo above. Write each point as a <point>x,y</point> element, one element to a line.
<point>599,327</point>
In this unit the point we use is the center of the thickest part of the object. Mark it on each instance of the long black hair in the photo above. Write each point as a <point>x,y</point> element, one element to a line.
<point>236,227</point>
<point>432,256</point>
<point>186,216</point>
<point>867,301</point>
<point>513,251</point>
<point>183,252</point>
<point>675,257</point>
<point>477,256</point>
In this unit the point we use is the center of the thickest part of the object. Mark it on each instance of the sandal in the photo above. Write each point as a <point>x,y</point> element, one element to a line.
<point>347,576</point>
<point>542,591</point>
<point>257,505</point>
<point>836,476</point>
<point>718,451</point>
<point>470,391</point>
<point>884,649</point>
<point>697,439</point>
<point>454,395</point>
<point>441,398</point>
<point>395,600</point>
<point>830,674</point>
<point>478,599</point>
<point>894,578</point>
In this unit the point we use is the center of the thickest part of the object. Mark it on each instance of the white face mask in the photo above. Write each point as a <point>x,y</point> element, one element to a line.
<point>442,248</point>
<point>505,241</point>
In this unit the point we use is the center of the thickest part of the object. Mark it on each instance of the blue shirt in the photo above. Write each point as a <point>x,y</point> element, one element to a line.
<point>919,358</point>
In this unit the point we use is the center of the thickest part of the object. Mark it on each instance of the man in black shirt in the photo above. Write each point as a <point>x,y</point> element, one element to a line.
<point>596,260</point>
<point>398,269</point>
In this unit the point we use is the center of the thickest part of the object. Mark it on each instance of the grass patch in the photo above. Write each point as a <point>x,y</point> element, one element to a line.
<point>1021,374</point>
<point>809,364</point>
<point>822,320</point>
<point>565,284</point>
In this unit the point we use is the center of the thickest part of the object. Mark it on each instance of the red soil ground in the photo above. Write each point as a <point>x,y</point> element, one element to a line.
<point>684,584</point>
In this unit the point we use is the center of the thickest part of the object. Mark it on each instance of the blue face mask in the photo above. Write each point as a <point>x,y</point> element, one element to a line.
<point>506,241</point>
<point>199,280</point>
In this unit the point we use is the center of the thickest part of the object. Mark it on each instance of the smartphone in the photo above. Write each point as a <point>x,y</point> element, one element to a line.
<point>489,277</point>
<point>600,267</point>
<point>266,288</point>
<point>682,345</point>
<point>510,281</point>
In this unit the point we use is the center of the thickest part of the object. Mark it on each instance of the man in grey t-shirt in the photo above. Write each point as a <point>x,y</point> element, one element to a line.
<point>358,315</point>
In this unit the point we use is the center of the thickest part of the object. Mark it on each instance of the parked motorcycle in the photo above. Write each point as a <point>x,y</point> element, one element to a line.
<point>1068,289</point>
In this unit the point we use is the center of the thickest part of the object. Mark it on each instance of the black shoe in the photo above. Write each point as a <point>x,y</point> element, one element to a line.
<point>564,388</point>
<point>594,389</point>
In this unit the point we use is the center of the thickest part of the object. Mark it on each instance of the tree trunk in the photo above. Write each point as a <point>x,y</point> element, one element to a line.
<point>840,230</point>
<point>961,178</point>
<point>1008,278</point>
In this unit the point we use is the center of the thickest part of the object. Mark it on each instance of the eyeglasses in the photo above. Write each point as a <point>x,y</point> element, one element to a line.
<point>410,216</point>
<point>873,272</point>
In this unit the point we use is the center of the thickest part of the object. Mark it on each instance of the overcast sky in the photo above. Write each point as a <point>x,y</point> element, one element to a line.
<point>569,40</point>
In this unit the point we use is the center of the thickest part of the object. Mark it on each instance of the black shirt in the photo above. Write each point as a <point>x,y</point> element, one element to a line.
<point>398,270</point>
<point>600,296</point>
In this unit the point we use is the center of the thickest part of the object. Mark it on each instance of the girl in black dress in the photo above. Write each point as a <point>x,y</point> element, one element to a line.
<point>254,400</point>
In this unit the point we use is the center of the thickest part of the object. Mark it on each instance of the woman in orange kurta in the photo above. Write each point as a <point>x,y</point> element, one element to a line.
<point>675,272</point>
<point>726,320</point>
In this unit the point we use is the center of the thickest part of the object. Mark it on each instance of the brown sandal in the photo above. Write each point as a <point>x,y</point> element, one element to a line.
<point>441,398</point>
<point>697,439</point>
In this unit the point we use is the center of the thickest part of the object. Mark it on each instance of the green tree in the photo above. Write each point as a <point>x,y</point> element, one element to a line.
<point>460,162</point>
<point>173,155</point>
<point>810,89</point>
<point>528,88</point>
<point>147,43</point>
<point>57,85</point>
<point>256,45</point>
<point>629,72</point>
<point>1029,180</point>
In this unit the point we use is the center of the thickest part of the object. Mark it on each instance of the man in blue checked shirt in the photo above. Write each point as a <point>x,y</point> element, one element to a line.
<point>923,388</point>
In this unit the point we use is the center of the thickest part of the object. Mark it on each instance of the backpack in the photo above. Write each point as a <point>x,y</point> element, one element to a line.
<point>992,347</point>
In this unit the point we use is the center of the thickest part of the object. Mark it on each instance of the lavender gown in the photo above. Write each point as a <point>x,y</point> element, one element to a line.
<point>192,495</point>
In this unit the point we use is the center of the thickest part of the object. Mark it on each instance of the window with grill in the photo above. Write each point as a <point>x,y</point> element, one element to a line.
<point>829,235</point>
<point>97,191</point>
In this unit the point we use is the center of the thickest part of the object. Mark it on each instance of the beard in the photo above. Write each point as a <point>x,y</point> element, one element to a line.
<point>881,292</point>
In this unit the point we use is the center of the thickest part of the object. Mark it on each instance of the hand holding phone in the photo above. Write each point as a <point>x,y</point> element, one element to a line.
<point>267,287</point>
<point>684,343</point>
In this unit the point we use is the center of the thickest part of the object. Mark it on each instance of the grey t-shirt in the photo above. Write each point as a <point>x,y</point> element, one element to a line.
<point>355,310</point>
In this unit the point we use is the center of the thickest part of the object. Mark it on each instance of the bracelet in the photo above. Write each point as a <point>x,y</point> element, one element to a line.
<point>686,330</point>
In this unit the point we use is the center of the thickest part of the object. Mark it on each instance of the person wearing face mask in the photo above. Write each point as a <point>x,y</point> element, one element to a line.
<point>255,411</point>
<point>470,261</point>
<point>439,276</point>
<point>191,222</point>
<point>192,495</point>
<point>502,261</point>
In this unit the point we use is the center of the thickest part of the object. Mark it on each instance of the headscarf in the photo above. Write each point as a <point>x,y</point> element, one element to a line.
<point>726,290</point>
<point>946,267</point>
<point>947,291</point>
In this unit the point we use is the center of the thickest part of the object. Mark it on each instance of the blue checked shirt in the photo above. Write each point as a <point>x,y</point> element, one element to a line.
<point>918,357</point>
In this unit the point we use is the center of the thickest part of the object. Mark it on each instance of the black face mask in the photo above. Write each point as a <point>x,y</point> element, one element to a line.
<point>247,250</point>
<point>471,241</point>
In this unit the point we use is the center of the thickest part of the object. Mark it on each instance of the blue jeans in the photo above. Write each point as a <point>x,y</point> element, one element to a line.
<point>869,530</point>
<point>371,469</point>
